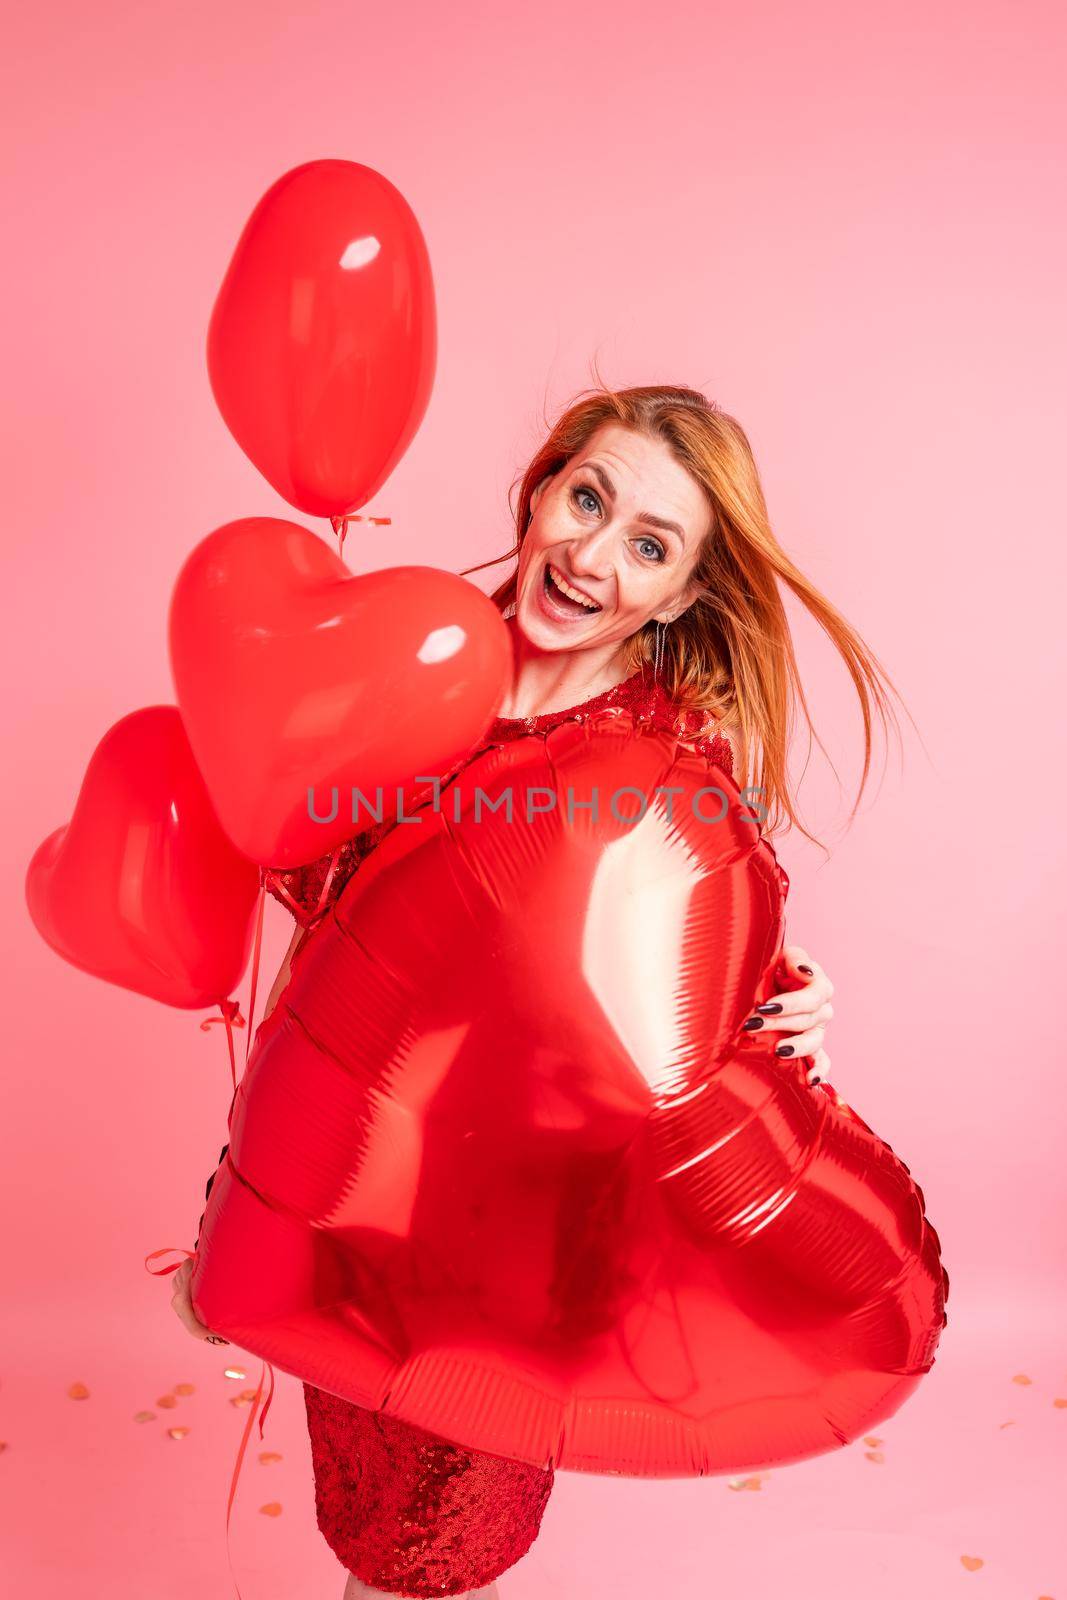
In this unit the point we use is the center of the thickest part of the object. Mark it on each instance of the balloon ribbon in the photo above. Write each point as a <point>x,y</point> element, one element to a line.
<point>265,1367</point>
<point>231,1016</point>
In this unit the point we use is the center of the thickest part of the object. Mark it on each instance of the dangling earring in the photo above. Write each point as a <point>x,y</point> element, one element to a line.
<point>657,656</point>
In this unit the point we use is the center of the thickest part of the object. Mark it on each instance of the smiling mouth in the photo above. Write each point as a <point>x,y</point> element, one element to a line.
<point>567,600</point>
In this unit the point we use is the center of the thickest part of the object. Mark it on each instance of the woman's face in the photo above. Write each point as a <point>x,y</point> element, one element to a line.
<point>622,523</point>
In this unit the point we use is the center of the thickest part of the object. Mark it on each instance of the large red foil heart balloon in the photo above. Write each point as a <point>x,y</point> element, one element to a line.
<point>300,683</point>
<point>323,339</point>
<point>142,887</point>
<point>506,1165</point>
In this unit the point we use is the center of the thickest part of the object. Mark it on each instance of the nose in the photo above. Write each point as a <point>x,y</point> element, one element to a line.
<point>590,555</point>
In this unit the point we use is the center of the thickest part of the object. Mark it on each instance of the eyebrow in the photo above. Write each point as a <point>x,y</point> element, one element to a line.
<point>642,516</point>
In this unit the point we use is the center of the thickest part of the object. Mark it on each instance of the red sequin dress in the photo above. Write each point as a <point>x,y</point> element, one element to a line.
<point>405,1511</point>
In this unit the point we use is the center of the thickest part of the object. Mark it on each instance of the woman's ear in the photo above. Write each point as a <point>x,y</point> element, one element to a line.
<point>693,591</point>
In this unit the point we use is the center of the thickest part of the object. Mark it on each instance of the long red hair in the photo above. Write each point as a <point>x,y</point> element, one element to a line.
<point>730,654</point>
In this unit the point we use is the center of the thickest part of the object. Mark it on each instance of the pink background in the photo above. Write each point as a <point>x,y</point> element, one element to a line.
<point>844,223</point>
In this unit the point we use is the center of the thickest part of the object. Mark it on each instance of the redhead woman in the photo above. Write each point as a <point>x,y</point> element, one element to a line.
<point>647,576</point>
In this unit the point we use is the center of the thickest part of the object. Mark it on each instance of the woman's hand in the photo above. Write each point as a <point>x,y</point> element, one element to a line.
<point>182,1301</point>
<point>800,1014</point>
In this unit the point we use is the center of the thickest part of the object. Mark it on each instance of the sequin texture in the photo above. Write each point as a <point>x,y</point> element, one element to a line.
<point>408,1512</point>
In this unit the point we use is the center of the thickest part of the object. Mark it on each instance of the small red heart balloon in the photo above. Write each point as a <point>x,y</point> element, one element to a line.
<point>142,887</point>
<point>323,339</point>
<point>300,684</point>
<point>505,1163</point>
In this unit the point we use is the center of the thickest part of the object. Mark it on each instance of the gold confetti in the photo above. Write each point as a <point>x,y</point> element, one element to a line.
<point>144,1416</point>
<point>234,1372</point>
<point>166,1402</point>
<point>239,1400</point>
<point>177,1433</point>
<point>1060,1405</point>
<point>1020,1377</point>
<point>185,1388</point>
<point>872,1441</point>
<point>874,1455</point>
<point>972,1563</point>
<point>78,1391</point>
<point>1010,1424</point>
<point>745,1483</point>
<point>267,1456</point>
<point>271,1509</point>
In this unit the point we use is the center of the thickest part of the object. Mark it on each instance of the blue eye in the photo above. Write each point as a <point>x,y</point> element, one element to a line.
<point>660,553</point>
<point>583,488</point>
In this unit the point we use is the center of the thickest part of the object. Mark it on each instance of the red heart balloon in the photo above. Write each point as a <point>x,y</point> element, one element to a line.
<point>506,1165</point>
<point>323,339</point>
<point>300,683</point>
<point>142,887</point>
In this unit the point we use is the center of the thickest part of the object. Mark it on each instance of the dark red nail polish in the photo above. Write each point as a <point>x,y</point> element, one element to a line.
<point>784,1050</point>
<point>753,1023</point>
<point>769,1008</point>
<point>809,970</point>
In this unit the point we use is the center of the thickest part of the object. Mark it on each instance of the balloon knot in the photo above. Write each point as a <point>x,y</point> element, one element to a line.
<point>230,1012</point>
<point>340,525</point>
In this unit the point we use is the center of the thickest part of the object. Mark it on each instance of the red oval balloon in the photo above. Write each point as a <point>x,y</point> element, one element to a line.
<point>294,676</point>
<point>506,1165</point>
<point>323,339</point>
<point>142,887</point>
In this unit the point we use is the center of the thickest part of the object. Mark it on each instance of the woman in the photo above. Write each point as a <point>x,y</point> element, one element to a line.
<point>647,577</point>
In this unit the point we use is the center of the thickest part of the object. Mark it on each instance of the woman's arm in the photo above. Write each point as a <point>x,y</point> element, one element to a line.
<point>284,972</point>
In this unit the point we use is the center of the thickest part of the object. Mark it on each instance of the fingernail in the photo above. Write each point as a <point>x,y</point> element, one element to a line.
<point>784,1050</point>
<point>814,1079</point>
<point>753,1023</point>
<point>809,970</point>
<point>769,1007</point>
